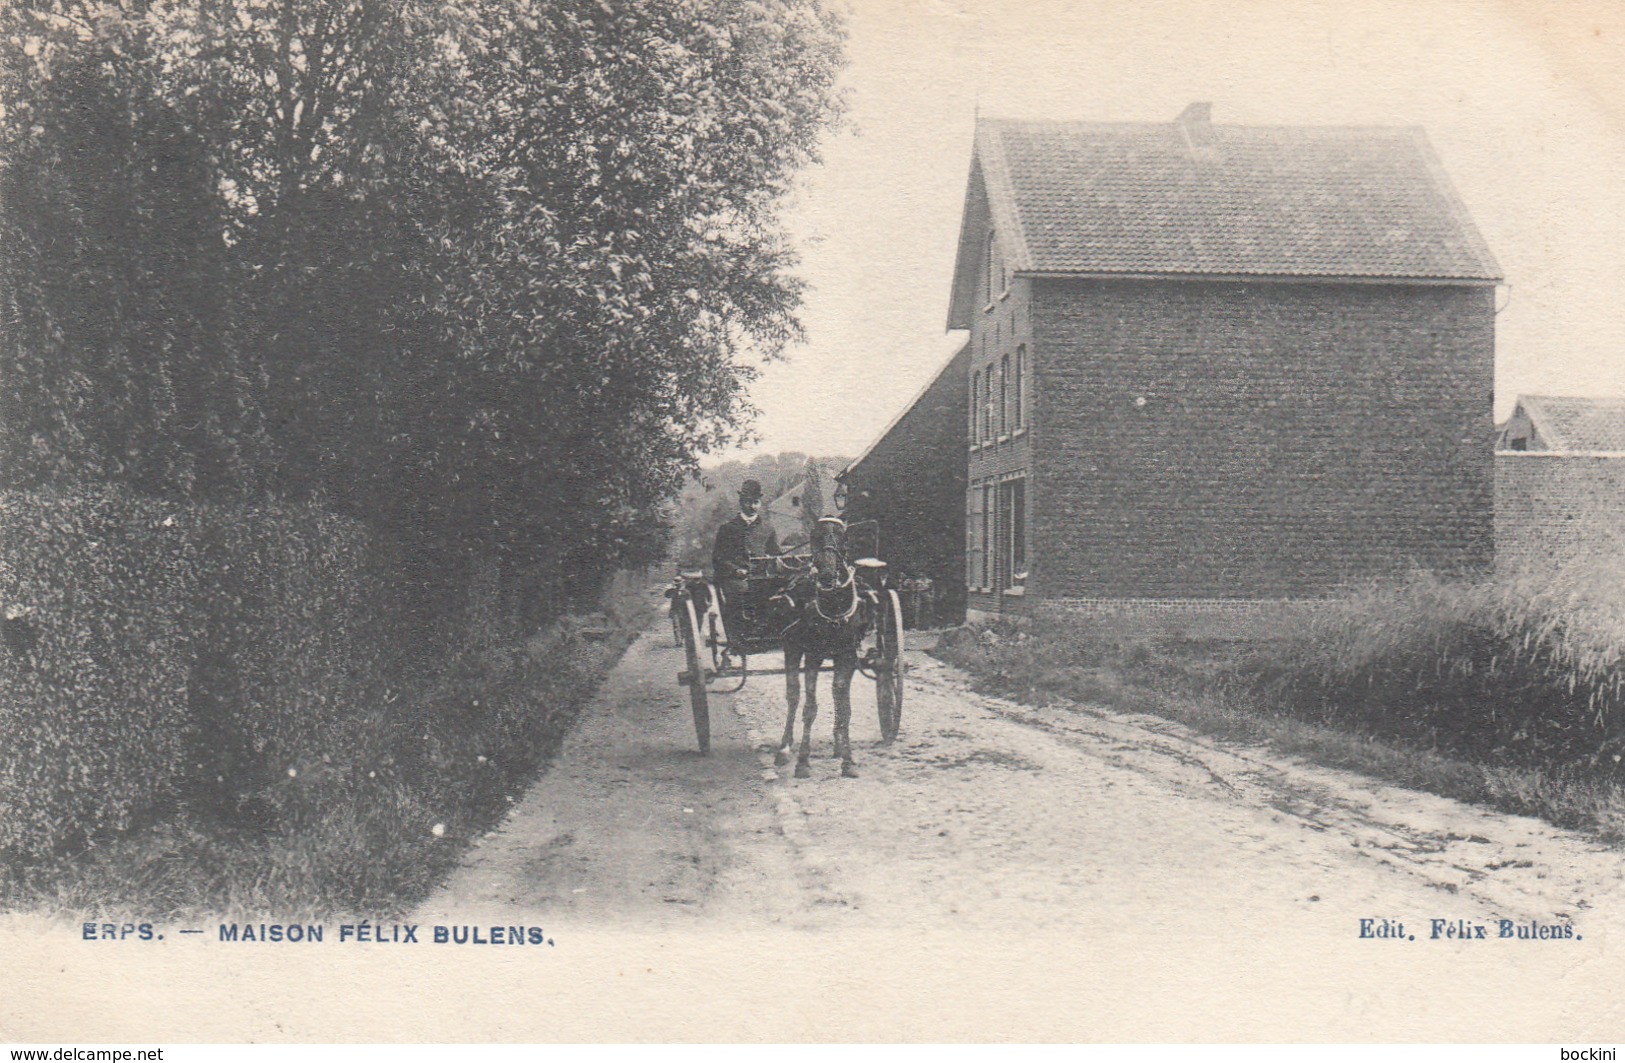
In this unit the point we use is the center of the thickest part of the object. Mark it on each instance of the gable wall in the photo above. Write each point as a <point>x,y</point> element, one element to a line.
<point>1293,436</point>
<point>913,482</point>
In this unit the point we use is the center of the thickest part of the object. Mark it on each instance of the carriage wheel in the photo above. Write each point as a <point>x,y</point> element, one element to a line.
<point>889,672</point>
<point>696,676</point>
<point>716,635</point>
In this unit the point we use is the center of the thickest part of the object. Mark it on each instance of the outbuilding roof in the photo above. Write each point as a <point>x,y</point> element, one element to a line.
<point>962,353</point>
<point>1189,198</point>
<point>1577,425</point>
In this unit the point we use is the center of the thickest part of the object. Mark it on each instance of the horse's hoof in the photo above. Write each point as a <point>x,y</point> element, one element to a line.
<point>803,770</point>
<point>780,759</point>
<point>848,771</point>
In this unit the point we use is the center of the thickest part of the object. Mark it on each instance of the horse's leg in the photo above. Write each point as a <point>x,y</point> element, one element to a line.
<point>792,695</point>
<point>846,663</point>
<point>809,711</point>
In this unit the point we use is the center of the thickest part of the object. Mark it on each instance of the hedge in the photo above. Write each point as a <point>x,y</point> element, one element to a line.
<point>95,591</point>
<point>286,649</point>
<point>157,653</point>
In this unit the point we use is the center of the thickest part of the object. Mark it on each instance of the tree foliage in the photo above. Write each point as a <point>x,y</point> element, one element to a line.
<point>712,498</point>
<point>490,273</point>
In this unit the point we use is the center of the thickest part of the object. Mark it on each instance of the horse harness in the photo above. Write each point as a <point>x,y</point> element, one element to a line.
<point>849,585</point>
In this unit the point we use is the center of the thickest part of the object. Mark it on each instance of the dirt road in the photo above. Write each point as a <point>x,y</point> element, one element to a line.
<point>994,817</point>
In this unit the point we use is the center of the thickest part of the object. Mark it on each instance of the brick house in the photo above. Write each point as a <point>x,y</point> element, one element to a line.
<point>1560,482</point>
<point>911,480</point>
<point>1180,334</point>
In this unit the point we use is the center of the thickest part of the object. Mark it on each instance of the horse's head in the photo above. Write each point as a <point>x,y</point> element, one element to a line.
<point>829,552</point>
<point>828,596</point>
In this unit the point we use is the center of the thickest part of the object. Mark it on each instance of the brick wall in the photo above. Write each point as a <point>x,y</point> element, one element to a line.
<point>1000,335</point>
<point>1552,508</point>
<point>913,482</point>
<point>1269,440</point>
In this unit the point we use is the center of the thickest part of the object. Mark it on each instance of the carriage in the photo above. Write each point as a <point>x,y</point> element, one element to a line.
<point>720,637</point>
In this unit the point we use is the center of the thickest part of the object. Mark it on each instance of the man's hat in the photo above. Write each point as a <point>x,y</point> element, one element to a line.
<point>750,489</point>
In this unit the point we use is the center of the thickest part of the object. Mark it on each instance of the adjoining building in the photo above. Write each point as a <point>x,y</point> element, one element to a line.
<point>1560,482</point>
<point>1180,336</point>
<point>1564,423</point>
<point>911,480</point>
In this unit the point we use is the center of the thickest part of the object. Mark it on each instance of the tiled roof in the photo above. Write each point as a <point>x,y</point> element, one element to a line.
<point>1191,198</point>
<point>1574,424</point>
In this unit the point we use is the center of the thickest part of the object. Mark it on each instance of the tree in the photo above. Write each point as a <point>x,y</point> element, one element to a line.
<point>111,365</point>
<point>629,258</point>
<point>491,274</point>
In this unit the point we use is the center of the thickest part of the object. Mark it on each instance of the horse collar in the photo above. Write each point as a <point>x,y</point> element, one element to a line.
<point>852,606</point>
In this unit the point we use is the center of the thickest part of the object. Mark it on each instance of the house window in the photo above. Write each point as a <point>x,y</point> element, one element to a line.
<point>978,536</point>
<point>973,523</point>
<point>976,407</point>
<point>1010,547</point>
<point>1015,389</point>
<point>981,408</point>
<point>986,581</point>
<point>1004,396</point>
<point>989,416</point>
<point>984,403</point>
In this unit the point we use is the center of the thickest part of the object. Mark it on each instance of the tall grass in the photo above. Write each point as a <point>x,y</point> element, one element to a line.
<point>1526,670</point>
<point>1509,693</point>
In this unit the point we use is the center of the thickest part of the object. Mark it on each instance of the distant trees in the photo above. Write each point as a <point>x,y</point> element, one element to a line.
<point>489,274</point>
<point>705,503</point>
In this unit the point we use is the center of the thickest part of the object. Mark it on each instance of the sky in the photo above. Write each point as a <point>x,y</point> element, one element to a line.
<point>1523,101</point>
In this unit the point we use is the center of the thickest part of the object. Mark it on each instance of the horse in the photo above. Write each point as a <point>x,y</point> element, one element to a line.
<point>830,622</point>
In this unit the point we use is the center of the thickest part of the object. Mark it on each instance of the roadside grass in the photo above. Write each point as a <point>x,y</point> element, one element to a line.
<point>374,825</point>
<point>1251,693</point>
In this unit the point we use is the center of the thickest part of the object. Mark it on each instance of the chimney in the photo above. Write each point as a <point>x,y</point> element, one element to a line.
<point>1196,122</point>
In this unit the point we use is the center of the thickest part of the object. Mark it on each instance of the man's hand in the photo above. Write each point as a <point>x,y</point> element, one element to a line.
<point>742,573</point>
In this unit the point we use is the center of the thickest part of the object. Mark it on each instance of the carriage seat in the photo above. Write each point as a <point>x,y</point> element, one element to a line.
<point>751,617</point>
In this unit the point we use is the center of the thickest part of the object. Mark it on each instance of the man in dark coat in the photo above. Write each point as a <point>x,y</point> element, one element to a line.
<point>745,535</point>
